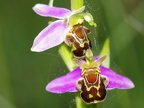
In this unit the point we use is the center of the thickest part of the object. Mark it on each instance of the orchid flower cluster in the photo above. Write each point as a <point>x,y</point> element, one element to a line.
<point>90,78</point>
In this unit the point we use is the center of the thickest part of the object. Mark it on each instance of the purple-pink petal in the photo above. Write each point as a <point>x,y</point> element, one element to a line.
<point>49,37</point>
<point>51,11</point>
<point>116,80</point>
<point>65,83</point>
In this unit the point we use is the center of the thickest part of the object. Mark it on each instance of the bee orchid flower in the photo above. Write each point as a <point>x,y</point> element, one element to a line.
<point>55,33</point>
<point>67,83</point>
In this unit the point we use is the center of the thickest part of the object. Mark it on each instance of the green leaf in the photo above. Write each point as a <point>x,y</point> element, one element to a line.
<point>106,51</point>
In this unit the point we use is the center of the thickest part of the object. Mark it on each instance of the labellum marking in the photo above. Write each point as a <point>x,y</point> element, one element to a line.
<point>92,85</point>
<point>77,38</point>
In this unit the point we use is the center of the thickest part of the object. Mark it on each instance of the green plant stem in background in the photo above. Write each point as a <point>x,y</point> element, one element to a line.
<point>6,95</point>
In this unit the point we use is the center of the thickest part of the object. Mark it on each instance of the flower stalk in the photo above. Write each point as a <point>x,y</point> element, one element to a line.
<point>76,4</point>
<point>67,56</point>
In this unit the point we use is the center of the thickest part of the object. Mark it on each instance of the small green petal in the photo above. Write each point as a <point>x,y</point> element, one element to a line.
<point>89,55</point>
<point>80,17</point>
<point>76,19</point>
<point>89,18</point>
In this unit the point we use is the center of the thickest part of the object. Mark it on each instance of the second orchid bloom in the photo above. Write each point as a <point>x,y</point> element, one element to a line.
<point>63,30</point>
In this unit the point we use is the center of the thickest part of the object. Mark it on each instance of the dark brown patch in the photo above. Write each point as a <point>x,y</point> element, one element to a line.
<point>92,94</point>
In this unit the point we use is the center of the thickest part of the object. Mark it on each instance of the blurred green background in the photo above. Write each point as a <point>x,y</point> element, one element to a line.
<point>25,74</point>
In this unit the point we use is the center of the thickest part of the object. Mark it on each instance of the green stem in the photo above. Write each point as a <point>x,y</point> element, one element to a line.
<point>51,2</point>
<point>67,56</point>
<point>76,4</point>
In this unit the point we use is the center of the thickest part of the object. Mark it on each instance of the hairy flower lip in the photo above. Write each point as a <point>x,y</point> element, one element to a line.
<point>67,83</point>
